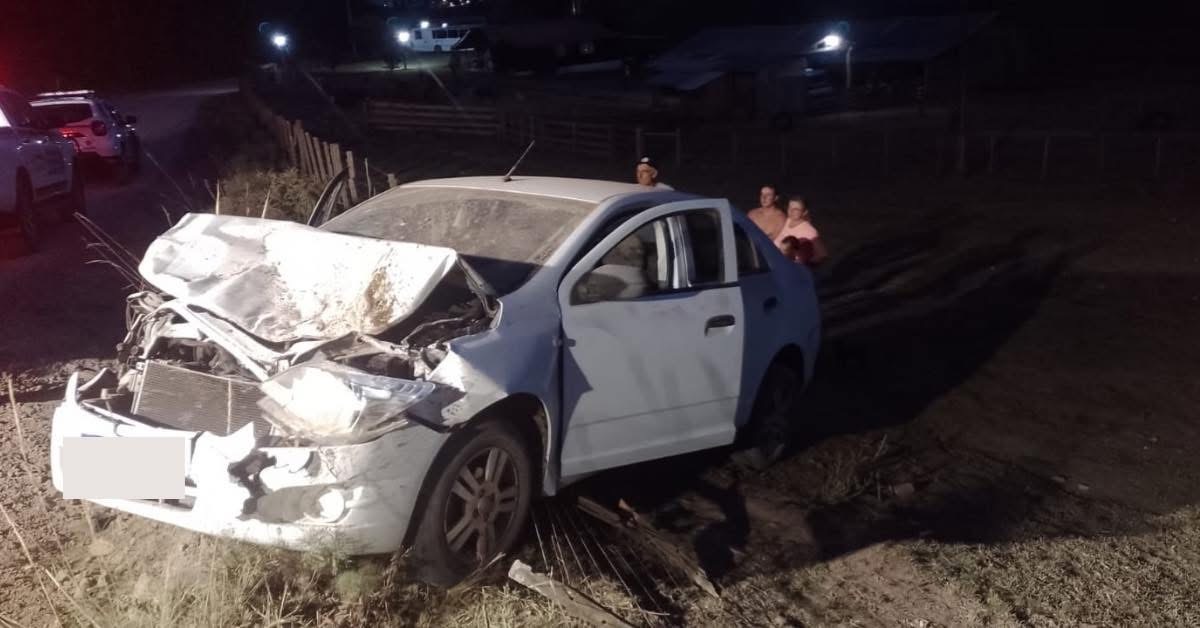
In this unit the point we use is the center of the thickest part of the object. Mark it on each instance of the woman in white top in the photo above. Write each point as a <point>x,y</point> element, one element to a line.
<point>799,225</point>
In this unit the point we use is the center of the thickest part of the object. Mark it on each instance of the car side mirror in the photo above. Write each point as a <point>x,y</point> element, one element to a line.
<point>610,282</point>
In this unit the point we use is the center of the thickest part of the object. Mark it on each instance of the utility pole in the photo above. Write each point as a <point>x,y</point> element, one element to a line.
<point>962,93</point>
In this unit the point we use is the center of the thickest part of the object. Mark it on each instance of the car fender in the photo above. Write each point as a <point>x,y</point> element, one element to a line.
<point>518,358</point>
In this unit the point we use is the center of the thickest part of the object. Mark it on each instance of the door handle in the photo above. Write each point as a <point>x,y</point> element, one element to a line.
<point>719,321</point>
<point>770,304</point>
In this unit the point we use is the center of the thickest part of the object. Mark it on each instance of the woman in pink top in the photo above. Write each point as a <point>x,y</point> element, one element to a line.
<point>799,226</point>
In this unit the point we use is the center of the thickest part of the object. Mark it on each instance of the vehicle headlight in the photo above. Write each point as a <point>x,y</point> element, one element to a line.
<point>335,404</point>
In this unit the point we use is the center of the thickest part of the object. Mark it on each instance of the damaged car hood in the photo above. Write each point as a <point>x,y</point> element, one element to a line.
<point>282,281</point>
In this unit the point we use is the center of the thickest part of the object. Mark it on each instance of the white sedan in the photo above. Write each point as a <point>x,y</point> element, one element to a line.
<point>415,371</point>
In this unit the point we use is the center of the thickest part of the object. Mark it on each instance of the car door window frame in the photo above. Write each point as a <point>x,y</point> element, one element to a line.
<point>679,242</point>
<point>762,265</point>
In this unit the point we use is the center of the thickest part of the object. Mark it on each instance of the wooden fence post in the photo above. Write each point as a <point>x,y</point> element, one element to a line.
<point>352,177</point>
<point>1045,157</point>
<point>336,166</point>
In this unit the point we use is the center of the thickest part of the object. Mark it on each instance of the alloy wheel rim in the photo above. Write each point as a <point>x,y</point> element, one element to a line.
<point>482,506</point>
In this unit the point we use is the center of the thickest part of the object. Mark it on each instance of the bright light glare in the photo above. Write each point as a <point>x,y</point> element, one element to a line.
<point>424,23</point>
<point>444,25</point>
<point>280,40</point>
<point>831,41</point>
<point>403,36</point>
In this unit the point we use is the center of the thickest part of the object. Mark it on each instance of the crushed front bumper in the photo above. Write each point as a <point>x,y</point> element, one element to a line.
<point>360,497</point>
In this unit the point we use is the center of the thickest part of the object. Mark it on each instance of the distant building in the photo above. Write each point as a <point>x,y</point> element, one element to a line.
<point>760,71</point>
<point>540,45</point>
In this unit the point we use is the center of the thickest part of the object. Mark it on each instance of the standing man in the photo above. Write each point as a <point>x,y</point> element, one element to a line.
<point>769,216</point>
<point>646,173</point>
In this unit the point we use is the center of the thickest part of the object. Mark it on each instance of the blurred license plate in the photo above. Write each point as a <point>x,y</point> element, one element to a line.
<point>123,467</point>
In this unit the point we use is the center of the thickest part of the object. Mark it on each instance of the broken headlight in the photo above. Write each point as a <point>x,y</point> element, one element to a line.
<point>333,404</point>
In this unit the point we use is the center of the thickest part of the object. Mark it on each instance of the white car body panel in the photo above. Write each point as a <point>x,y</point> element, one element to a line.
<point>680,396</point>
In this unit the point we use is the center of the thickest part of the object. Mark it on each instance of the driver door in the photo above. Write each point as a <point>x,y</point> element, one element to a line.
<point>653,333</point>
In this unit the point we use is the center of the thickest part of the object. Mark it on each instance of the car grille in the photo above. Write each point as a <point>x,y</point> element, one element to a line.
<point>189,400</point>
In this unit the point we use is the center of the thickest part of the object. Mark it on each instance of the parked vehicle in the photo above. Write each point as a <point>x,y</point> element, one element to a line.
<point>438,39</point>
<point>37,169</point>
<point>100,131</point>
<point>459,348</point>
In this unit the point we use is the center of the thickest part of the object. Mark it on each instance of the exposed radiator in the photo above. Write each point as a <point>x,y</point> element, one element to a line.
<point>194,401</point>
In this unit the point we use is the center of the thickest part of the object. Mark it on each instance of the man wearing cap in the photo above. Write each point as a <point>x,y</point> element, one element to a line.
<point>647,172</point>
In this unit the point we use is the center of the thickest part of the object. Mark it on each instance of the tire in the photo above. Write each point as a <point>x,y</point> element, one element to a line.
<point>770,428</point>
<point>478,497</point>
<point>27,217</point>
<point>76,202</point>
<point>122,168</point>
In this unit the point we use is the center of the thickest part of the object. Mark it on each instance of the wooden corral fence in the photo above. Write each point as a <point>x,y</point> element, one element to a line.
<point>316,158</point>
<point>1031,155</point>
<point>584,138</point>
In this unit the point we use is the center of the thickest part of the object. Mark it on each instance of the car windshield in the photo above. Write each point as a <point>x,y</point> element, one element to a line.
<point>64,113</point>
<point>504,236</point>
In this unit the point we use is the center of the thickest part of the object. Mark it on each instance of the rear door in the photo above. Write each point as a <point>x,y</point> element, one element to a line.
<point>653,338</point>
<point>36,152</point>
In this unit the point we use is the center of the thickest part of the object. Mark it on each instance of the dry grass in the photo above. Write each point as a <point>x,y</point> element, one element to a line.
<point>179,579</point>
<point>1147,579</point>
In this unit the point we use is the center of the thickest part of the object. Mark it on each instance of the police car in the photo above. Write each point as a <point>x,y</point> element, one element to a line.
<point>37,169</point>
<point>97,128</point>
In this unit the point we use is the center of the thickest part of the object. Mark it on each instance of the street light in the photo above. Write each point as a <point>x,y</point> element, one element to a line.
<point>834,41</point>
<point>424,23</point>
<point>403,37</point>
<point>279,40</point>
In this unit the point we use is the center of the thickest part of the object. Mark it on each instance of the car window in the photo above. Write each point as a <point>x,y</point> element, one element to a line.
<point>748,260</point>
<point>62,114</point>
<point>707,255</point>
<point>17,110</point>
<point>640,265</point>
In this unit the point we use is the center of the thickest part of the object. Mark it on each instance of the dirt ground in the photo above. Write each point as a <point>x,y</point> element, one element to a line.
<point>1000,431</point>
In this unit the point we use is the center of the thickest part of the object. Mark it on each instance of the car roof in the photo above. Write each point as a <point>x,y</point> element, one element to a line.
<point>586,190</point>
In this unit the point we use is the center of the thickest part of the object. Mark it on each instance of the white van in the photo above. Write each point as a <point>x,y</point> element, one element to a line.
<point>439,39</point>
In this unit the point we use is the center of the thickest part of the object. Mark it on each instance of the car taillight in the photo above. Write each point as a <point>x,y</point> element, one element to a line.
<point>99,128</point>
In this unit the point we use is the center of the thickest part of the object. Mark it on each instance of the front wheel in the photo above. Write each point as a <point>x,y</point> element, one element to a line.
<point>479,500</point>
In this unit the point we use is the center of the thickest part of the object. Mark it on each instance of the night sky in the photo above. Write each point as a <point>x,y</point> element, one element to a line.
<point>148,42</point>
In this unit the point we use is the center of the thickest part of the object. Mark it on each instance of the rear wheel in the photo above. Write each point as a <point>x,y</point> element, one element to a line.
<point>76,202</point>
<point>770,427</point>
<point>478,502</point>
<point>27,215</point>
